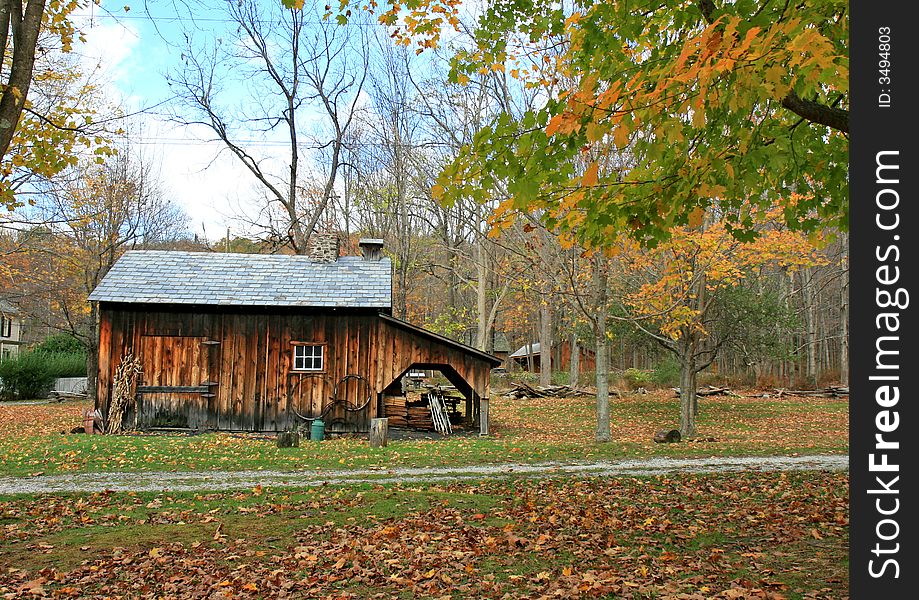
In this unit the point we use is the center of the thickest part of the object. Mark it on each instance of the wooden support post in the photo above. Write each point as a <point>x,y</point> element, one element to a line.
<point>379,432</point>
<point>483,416</point>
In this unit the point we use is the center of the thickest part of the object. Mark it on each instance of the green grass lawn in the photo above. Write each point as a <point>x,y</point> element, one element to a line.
<point>34,438</point>
<point>742,535</point>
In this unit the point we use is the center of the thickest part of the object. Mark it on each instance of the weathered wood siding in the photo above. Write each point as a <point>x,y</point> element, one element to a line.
<point>241,361</point>
<point>404,349</point>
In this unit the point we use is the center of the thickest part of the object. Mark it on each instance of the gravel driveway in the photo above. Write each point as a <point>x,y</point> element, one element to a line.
<point>161,481</point>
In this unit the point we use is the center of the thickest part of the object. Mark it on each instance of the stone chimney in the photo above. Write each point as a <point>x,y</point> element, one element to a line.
<point>324,247</point>
<point>371,248</point>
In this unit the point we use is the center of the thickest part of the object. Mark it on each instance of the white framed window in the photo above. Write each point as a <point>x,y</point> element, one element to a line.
<point>309,357</point>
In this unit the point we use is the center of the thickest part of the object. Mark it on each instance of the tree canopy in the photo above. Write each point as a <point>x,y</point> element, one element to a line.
<point>730,104</point>
<point>48,108</point>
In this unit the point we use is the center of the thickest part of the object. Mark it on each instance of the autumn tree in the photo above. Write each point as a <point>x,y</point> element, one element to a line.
<point>447,116</point>
<point>728,103</point>
<point>20,26</point>
<point>89,220</point>
<point>50,111</point>
<point>679,293</point>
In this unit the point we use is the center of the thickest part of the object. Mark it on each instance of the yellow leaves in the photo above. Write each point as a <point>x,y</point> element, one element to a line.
<point>595,131</point>
<point>696,217</point>
<point>698,117</point>
<point>748,39</point>
<point>574,19</point>
<point>608,98</point>
<point>621,136</point>
<point>567,241</point>
<point>554,123</point>
<point>678,275</point>
<point>591,175</point>
<point>501,218</point>
<point>774,77</point>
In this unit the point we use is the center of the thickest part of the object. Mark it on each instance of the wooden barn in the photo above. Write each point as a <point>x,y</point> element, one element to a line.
<point>247,342</point>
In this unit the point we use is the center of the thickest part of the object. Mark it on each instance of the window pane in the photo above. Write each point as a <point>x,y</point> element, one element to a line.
<point>308,358</point>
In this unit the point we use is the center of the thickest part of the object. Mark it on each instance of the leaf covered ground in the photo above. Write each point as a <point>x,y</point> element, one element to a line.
<point>750,535</point>
<point>36,438</point>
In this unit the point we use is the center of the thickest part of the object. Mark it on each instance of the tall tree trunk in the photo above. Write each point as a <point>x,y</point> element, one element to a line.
<point>599,325</point>
<point>452,302</point>
<point>574,366</point>
<point>481,293</point>
<point>688,407</point>
<point>26,26</point>
<point>545,342</point>
<point>809,304</point>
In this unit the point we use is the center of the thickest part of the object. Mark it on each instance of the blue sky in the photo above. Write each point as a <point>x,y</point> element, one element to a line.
<point>135,49</point>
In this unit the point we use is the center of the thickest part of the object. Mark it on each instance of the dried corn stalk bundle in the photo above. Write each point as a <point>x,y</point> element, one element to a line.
<point>125,384</point>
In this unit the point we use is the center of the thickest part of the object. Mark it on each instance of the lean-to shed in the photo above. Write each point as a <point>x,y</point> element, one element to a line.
<point>528,356</point>
<point>248,342</point>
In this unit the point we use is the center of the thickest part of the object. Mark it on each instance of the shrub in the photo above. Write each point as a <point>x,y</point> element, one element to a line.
<point>667,373</point>
<point>26,376</point>
<point>70,364</point>
<point>60,343</point>
<point>636,378</point>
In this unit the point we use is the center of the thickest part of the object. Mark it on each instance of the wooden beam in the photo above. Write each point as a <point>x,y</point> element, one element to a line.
<point>175,389</point>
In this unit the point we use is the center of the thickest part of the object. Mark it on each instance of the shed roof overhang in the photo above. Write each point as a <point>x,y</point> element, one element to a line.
<point>473,352</point>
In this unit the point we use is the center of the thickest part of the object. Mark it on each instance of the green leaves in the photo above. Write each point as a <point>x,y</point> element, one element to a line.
<point>677,108</point>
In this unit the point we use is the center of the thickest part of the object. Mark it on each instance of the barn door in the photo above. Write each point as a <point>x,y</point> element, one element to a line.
<point>173,390</point>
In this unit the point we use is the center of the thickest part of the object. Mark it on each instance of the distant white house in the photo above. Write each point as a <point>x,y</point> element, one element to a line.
<point>10,330</point>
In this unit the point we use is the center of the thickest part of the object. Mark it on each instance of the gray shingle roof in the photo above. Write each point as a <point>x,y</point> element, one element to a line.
<point>167,277</point>
<point>7,308</point>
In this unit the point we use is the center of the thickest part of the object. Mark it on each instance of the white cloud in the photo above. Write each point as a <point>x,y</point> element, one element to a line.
<point>213,187</point>
<point>203,181</point>
<point>108,50</point>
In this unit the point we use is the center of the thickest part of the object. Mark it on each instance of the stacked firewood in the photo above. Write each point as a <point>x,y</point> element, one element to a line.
<point>395,410</point>
<point>411,410</point>
<point>419,415</point>
<point>523,390</point>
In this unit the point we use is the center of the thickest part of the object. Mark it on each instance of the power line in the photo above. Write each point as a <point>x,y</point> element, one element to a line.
<point>167,141</point>
<point>193,20</point>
